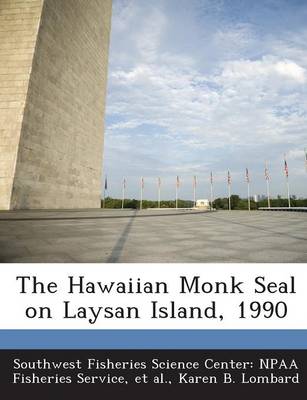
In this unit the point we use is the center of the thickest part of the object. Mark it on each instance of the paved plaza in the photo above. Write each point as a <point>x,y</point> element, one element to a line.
<point>152,236</point>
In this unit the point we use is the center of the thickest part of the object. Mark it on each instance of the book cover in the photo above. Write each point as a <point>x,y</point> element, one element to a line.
<point>153,198</point>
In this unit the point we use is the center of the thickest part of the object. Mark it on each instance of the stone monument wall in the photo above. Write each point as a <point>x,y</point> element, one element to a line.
<point>58,147</point>
<point>19,22</point>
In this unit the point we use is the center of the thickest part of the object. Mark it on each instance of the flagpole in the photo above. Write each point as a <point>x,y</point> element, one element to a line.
<point>267,178</point>
<point>141,203</point>
<point>229,194</point>
<point>159,192</point>
<point>248,197</point>
<point>123,193</point>
<point>287,180</point>
<point>177,186</point>
<point>211,190</point>
<point>104,192</point>
<point>248,192</point>
<point>288,189</point>
<point>268,193</point>
<point>194,191</point>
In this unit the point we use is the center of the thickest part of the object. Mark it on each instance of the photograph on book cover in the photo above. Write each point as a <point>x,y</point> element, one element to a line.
<point>166,139</point>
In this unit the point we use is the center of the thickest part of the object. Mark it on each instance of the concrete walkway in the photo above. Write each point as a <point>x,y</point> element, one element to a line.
<point>152,236</point>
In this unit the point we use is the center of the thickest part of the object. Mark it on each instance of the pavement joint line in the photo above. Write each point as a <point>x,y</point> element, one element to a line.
<point>100,217</point>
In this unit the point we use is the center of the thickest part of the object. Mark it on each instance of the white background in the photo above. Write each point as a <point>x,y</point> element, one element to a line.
<point>13,304</point>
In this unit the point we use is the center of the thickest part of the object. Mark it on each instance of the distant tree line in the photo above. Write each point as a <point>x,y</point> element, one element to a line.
<point>242,204</point>
<point>133,203</point>
<point>237,203</point>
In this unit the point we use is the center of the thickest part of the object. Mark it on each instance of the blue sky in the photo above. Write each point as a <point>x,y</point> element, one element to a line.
<point>201,85</point>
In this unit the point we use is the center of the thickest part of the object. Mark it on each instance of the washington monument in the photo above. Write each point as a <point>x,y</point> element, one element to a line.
<point>53,78</point>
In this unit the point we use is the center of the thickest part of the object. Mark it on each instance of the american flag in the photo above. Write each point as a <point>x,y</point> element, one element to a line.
<point>177,181</point>
<point>124,183</point>
<point>159,182</point>
<point>305,158</point>
<point>106,183</point>
<point>211,177</point>
<point>266,172</point>
<point>286,168</point>
<point>142,182</point>
<point>247,175</point>
<point>228,178</point>
<point>194,181</point>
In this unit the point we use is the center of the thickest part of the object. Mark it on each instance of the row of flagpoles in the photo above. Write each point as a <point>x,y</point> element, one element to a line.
<point>229,181</point>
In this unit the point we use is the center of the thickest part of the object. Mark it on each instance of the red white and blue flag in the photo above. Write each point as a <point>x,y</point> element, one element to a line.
<point>247,175</point>
<point>286,168</point>
<point>266,172</point>
<point>194,181</point>
<point>228,178</point>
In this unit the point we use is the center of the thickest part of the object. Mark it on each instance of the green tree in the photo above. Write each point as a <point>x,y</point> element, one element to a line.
<point>234,201</point>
